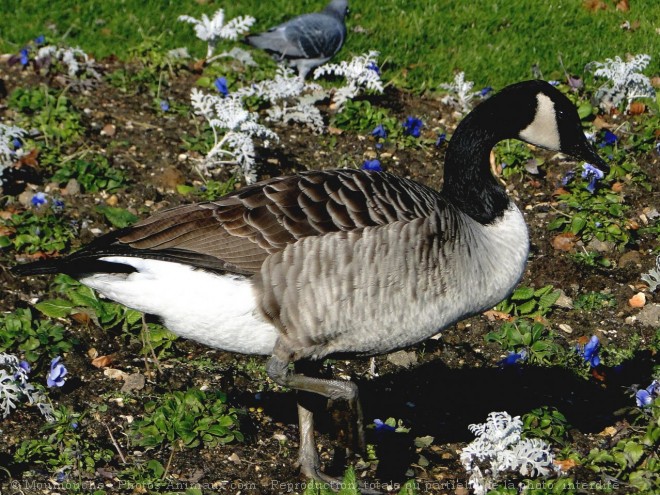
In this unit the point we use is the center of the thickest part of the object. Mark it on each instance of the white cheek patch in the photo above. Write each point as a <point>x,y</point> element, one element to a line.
<point>543,130</point>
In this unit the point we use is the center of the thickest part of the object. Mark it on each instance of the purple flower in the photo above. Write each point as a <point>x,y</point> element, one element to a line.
<point>373,165</point>
<point>485,91</point>
<point>24,56</point>
<point>379,132</point>
<point>40,40</point>
<point>514,358</point>
<point>221,85</point>
<point>25,366</point>
<point>441,139</point>
<point>644,397</point>
<point>57,373</point>
<point>568,177</point>
<point>590,351</point>
<point>164,105</point>
<point>372,66</point>
<point>381,426</point>
<point>593,174</point>
<point>39,199</point>
<point>413,126</point>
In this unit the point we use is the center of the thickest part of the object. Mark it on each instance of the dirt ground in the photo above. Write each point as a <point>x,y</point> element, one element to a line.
<point>454,381</point>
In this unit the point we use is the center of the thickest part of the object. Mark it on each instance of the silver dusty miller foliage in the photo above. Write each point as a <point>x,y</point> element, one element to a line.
<point>76,62</point>
<point>228,115</point>
<point>14,387</point>
<point>625,81</point>
<point>215,29</point>
<point>460,94</point>
<point>291,98</point>
<point>8,153</point>
<point>361,74</point>
<point>499,449</point>
<point>652,277</point>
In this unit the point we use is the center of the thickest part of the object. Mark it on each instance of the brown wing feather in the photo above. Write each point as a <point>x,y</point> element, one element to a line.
<point>242,229</point>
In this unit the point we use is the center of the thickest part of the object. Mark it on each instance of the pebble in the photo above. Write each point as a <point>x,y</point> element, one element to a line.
<point>566,328</point>
<point>630,257</point>
<point>72,188</point>
<point>134,381</point>
<point>650,316</point>
<point>638,300</point>
<point>109,130</point>
<point>404,359</point>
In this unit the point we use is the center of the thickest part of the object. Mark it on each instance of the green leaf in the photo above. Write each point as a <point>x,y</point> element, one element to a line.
<point>55,308</point>
<point>547,300</point>
<point>634,452</point>
<point>522,294</point>
<point>578,223</point>
<point>4,241</point>
<point>118,217</point>
<point>527,307</point>
<point>184,189</point>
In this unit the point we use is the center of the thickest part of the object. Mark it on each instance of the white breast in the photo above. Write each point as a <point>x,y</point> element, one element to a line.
<point>217,310</point>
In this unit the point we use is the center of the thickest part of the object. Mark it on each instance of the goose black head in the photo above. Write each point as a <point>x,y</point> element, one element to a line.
<point>551,121</point>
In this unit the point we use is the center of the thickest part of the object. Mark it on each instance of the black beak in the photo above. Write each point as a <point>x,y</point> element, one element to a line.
<point>585,151</point>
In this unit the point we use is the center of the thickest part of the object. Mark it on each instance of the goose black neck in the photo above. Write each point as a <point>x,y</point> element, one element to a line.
<point>468,181</point>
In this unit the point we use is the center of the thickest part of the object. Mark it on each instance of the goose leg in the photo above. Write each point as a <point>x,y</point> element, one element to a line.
<point>278,371</point>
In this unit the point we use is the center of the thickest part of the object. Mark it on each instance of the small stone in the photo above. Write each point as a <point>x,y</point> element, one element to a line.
<point>564,301</point>
<point>234,458</point>
<point>134,381</point>
<point>182,157</point>
<point>630,257</point>
<point>638,300</point>
<point>72,188</point>
<point>403,359</point>
<point>109,130</point>
<point>112,200</point>
<point>566,328</point>
<point>600,246</point>
<point>280,437</point>
<point>115,374</point>
<point>650,316</point>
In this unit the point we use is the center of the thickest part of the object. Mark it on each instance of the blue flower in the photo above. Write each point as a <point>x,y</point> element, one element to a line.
<point>164,105</point>
<point>372,66</point>
<point>413,126</point>
<point>609,138</point>
<point>373,165</point>
<point>379,132</point>
<point>484,92</point>
<point>381,426</point>
<point>590,351</point>
<point>514,358</point>
<point>568,177</point>
<point>221,85</point>
<point>25,366</point>
<point>57,373</point>
<point>441,139</point>
<point>24,56</point>
<point>17,143</point>
<point>644,397</point>
<point>553,83</point>
<point>593,174</point>
<point>40,40</point>
<point>39,199</point>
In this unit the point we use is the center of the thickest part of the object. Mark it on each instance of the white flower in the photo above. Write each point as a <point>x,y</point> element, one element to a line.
<point>215,29</point>
<point>361,73</point>
<point>499,448</point>
<point>625,81</point>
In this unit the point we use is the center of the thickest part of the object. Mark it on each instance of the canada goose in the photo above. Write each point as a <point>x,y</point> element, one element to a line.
<point>337,262</point>
<point>306,41</point>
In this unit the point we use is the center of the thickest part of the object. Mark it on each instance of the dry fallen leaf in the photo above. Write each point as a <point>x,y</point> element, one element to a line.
<point>564,242</point>
<point>565,464</point>
<point>617,187</point>
<point>103,361</point>
<point>623,6</point>
<point>600,123</point>
<point>81,317</point>
<point>492,315</point>
<point>609,431</point>
<point>594,5</point>
<point>638,300</point>
<point>637,108</point>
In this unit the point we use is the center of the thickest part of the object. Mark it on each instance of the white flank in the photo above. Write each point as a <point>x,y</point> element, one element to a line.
<point>543,130</point>
<point>217,310</point>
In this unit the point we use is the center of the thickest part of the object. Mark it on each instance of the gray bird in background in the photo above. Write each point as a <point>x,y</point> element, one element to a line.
<point>306,41</point>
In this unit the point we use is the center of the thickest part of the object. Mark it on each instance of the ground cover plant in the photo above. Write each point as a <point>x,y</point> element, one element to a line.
<point>552,391</point>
